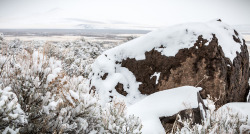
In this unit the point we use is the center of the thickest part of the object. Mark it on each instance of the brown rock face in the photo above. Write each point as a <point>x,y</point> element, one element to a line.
<point>201,65</point>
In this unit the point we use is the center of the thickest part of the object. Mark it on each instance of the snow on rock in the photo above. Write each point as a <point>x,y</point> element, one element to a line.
<point>109,73</point>
<point>163,103</point>
<point>178,37</point>
<point>157,75</point>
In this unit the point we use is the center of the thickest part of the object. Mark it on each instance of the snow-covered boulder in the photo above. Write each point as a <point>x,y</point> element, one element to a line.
<point>210,55</point>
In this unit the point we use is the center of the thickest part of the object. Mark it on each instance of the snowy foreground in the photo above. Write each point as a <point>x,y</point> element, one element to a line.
<point>44,88</point>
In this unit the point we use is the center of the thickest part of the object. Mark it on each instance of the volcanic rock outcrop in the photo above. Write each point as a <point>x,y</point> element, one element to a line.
<point>210,55</point>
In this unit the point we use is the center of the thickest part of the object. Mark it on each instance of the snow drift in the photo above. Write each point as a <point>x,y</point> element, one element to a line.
<point>164,103</point>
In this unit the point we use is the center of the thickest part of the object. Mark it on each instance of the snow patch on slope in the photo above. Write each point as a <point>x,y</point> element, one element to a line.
<point>163,103</point>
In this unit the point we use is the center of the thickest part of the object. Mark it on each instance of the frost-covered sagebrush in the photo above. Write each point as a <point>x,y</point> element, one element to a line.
<point>76,55</point>
<point>38,96</point>
<point>115,119</point>
<point>222,121</point>
<point>12,117</point>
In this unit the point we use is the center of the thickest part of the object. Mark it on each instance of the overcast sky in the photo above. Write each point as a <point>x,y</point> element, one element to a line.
<point>119,13</point>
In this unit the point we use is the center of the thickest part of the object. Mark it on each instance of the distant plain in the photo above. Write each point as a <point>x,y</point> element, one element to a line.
<point>94,35</point>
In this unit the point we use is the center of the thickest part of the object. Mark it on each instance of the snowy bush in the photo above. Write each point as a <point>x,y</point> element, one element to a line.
<point>130,38</point>
<point>1,36</point>
<point>115,119</point>
<point>221,121</point>
<point>39,96</point>
<point>12,117</point>
<point>44,94</point>
<point>12,47</point>
<point>15,44</point>
<point>1,39</point>
<point>3,44</point>
<point>69,108</point>
<point>76,55</point>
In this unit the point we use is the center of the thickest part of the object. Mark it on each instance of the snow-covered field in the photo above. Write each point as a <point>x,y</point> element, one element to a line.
<point>119,38</point>
<point>44,87</point>
<point>43,38</point>
<point>247,37</point>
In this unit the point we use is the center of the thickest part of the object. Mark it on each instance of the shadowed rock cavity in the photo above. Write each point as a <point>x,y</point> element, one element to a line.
<point>119,88</point>
<point>201,65</point>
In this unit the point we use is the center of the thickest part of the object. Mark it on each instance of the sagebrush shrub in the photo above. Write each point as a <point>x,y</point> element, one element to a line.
<point>38,96</point>
<point>221,121</point>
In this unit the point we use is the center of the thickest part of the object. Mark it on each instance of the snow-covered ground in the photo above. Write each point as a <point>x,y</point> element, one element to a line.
<point>116,39</point>
<point>43,38</point>
<point>51,77</point>
<point>247,37</point>
<point>68,59</point>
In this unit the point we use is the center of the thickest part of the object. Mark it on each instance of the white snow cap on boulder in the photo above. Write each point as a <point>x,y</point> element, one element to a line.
<point>171,38</point>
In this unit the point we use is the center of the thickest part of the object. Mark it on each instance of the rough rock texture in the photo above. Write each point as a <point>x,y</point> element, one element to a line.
<point>206,67</point>
<point>217,63</point>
